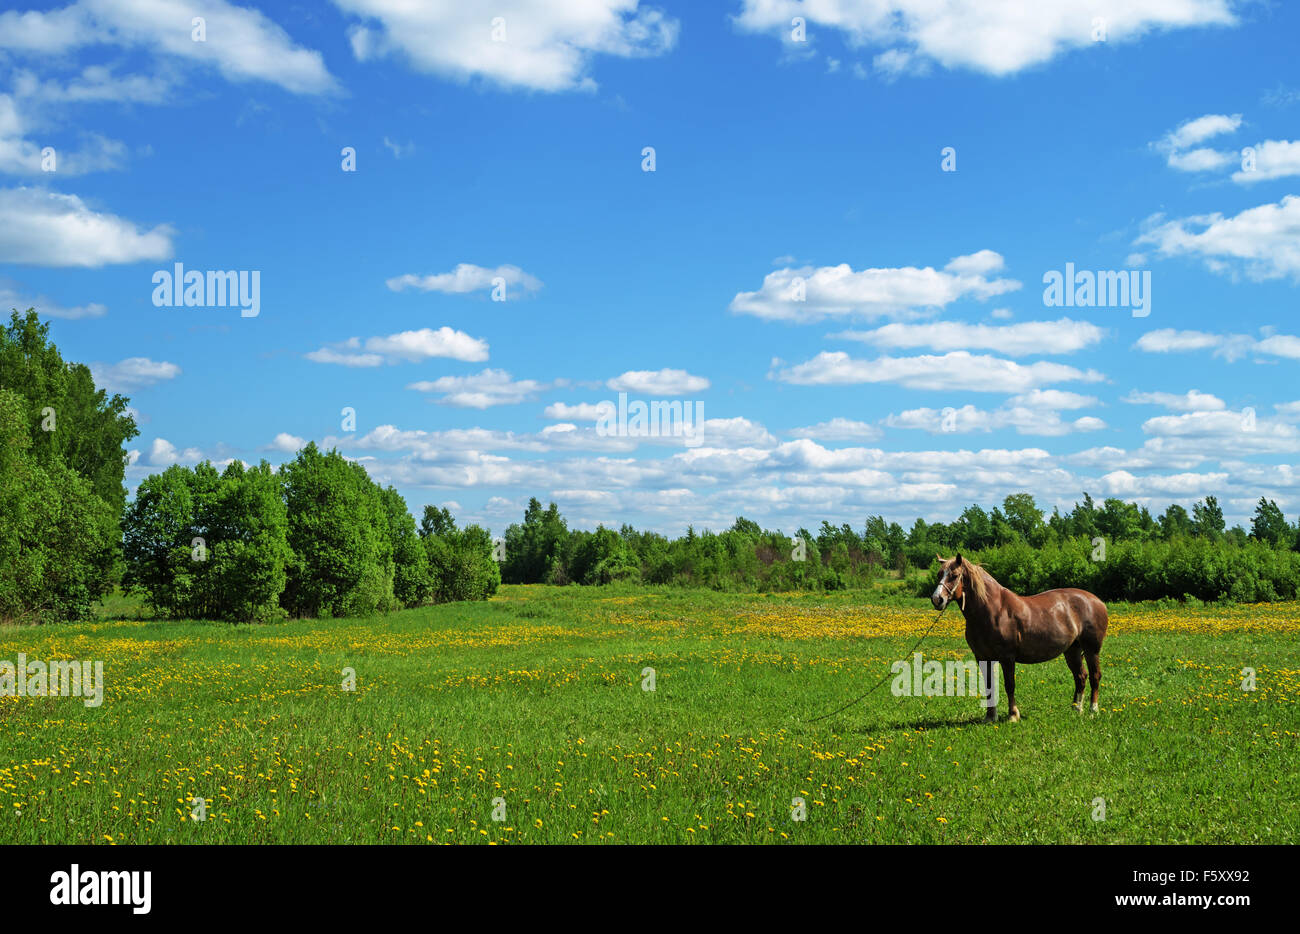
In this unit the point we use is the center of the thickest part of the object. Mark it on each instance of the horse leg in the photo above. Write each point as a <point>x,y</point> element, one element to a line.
<point>988,679</point>
<point>1074,658</point>
<point>1094,673</point>
<point>1009,679</point>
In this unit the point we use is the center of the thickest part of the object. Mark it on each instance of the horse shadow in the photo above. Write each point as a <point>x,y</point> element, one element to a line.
<point>926,723</point>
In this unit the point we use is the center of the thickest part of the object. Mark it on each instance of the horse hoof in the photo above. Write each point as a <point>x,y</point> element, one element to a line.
<point>1078,707</point>
<point>1094,709</point>
<point>1015,716</point>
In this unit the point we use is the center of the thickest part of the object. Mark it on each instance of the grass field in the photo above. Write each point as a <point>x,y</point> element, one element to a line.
<point>536,697</point>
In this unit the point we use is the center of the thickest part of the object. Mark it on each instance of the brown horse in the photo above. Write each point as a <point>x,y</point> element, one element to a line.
<point>1006,628</point>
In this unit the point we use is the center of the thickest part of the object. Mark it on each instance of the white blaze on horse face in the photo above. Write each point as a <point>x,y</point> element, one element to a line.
<point>940,596</point>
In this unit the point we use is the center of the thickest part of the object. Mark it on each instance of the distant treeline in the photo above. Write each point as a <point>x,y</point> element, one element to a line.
<point>1118,550</point>
<point>319,538</point>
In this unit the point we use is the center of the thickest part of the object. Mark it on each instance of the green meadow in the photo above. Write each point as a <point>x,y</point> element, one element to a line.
<point>529,718</point>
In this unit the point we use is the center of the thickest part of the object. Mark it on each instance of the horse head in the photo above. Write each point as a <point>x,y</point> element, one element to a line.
<point>956,577</point>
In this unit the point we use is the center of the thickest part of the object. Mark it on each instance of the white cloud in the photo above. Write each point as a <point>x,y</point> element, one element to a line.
<point>467,277</point>
<point>1121,483</point>
<point>481,390</point>
<point>1193,132</point>
<point>839,291</point>
<point>95,84</point>
<point>20,155</point>
<point>241,43</point>
<point>958,370</point>
<point>658,382</point>
<point>1026,420</point>
<point>162,453</point>
<point>404,347</point>
<point>1280,345</point>
<point>10,297</point>
<point>132,373</point>
<point>1172,340</point>
<point>45,228</point>
<point>582,412</point>
<point>289,444</point>
<point>546,47</point>
<point>399,150</point>
<point>1212,433</point>
<point>1274,158</point>
<point>1016,340</point>
<point>995,38</point>
<point>1055,399</point>
<point>800,482</point>
<point>838,429</point>
<point>1191,401</point>
<point>1231,347</point>
<point>1177,144</point>
<point>1263,241</point>
<point>1201,160</point>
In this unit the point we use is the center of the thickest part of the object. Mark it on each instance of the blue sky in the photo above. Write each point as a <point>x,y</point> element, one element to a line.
<point>918,370</point>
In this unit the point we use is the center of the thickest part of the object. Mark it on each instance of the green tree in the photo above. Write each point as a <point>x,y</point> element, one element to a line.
<point>1023,515</point>
<point>533,550</point>
<point>53,529</point>
<point>157,531</point>
<point>412,580</point>
<point>71,425</point>
<point>205,545</point>
<point>1175,523</point>
<point>83,426</point>
<point>461,562</point>
<point>342,563</point>
<point>1270,525</point>
<point>1120,521</point>
<point>1207,518</point>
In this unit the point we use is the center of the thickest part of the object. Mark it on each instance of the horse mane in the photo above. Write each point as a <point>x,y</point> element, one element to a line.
<point>976,575</point>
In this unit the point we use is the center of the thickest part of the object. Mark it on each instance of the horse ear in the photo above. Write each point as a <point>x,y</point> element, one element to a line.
<point>958,558</point>
<point>938,557</point>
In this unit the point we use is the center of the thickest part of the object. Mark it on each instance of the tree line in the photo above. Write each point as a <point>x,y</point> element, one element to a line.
<point>318,537</point>
<point>1118,549</point>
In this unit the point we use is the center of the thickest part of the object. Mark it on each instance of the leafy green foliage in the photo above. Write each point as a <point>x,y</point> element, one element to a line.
<point>342,561</point>
<point>1250,572</point>
<point>55,532</point>
<point>209,546</point>
<point>65,441</point>
<point>89,428</point>
<point>460,562</point>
